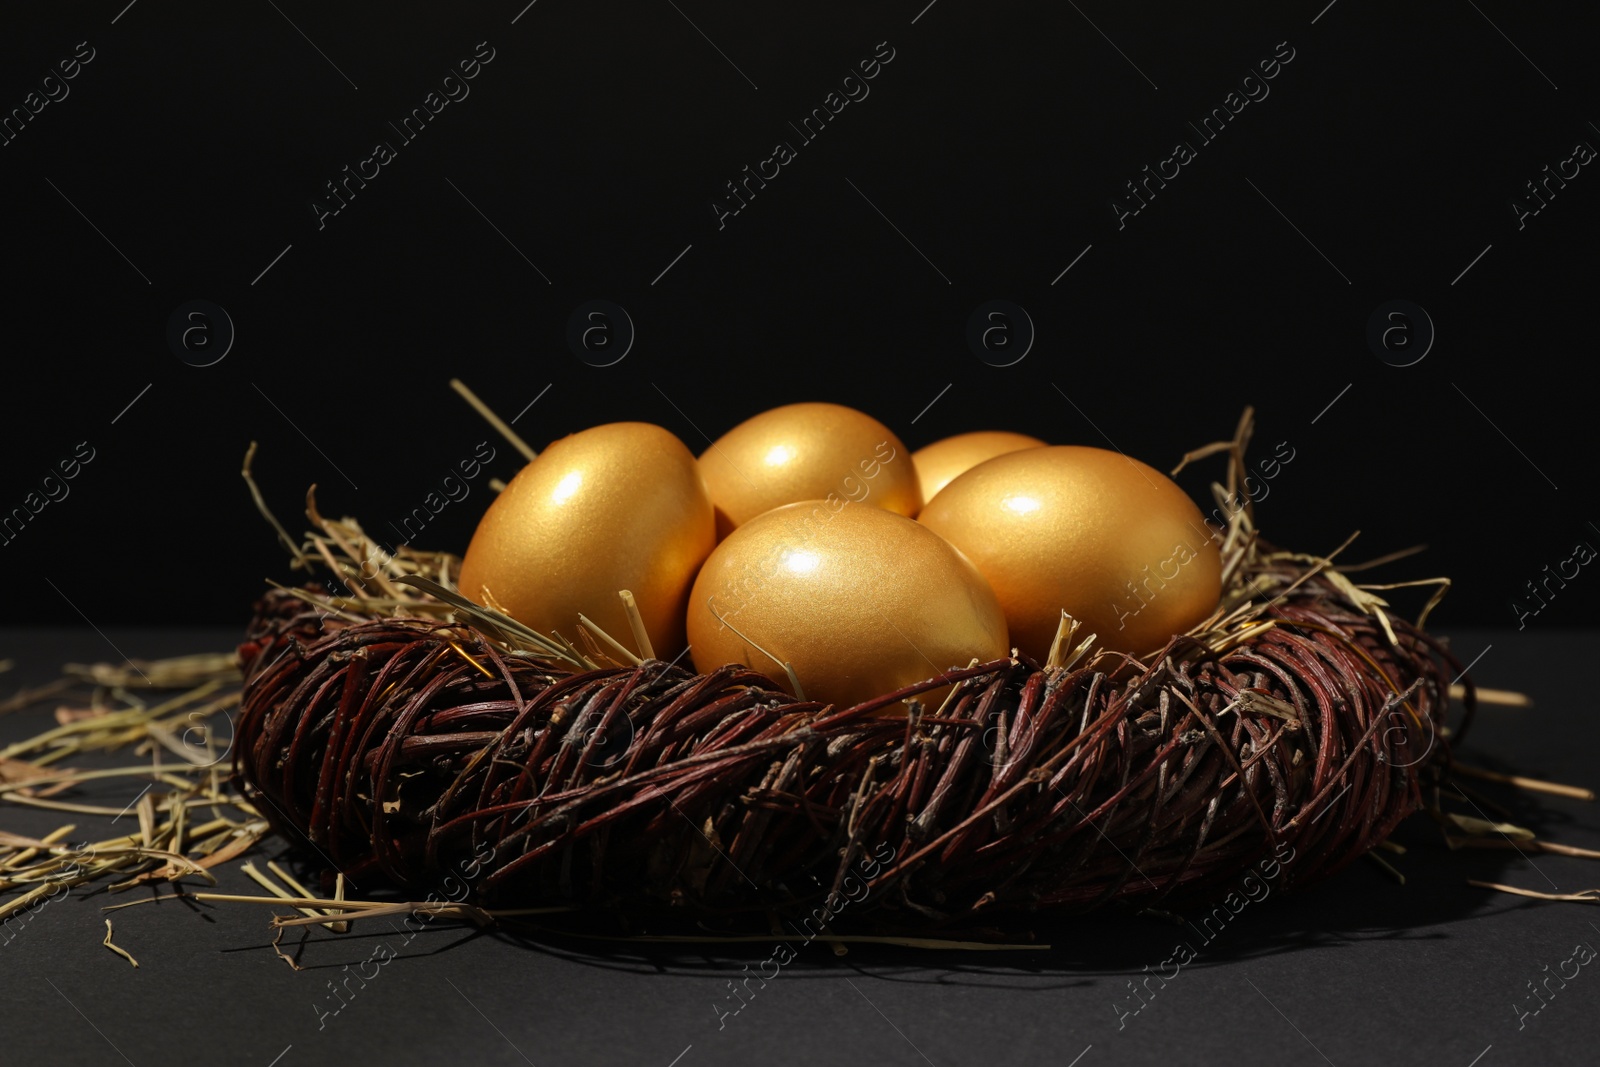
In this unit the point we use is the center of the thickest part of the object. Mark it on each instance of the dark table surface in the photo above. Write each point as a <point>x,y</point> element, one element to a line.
<point>1358,970</point>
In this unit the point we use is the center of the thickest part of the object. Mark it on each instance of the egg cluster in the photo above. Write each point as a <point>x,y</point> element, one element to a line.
<point>807,544</point>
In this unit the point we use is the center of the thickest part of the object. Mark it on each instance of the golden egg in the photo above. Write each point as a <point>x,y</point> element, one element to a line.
<point>941,461</point>
<point>619,506</point>
<point>1113,542</point>
<point>860,601</point>
<point>809,451</point>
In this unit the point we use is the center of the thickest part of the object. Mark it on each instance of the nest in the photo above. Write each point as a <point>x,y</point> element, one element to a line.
<point>413,738</point>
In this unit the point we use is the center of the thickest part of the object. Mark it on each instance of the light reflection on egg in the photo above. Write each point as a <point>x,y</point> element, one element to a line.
<point>859,600</point>
<point>1113,542</point>
<point>808,451</point>
<point>618,506</point>
<point>937,464</point>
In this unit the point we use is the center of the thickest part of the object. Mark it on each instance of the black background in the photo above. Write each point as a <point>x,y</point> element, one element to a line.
<point>595,142</point>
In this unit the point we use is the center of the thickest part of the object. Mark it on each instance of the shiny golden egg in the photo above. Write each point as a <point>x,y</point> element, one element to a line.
<point>941,461</point>
<point>1113,542</point>
<point>619,506</point>
<point>858,600</point>
<point>810,451</point>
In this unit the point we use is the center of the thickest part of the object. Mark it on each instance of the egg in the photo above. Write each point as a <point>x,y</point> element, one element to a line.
<point>810,451</point>
<point>618,506</point>
<point>859,600</point>
<point>941,461</point>
<point>1113,542</point>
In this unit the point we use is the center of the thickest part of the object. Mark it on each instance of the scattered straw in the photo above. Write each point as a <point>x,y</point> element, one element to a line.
<point>494,420</point>
<point>1583,896</point>
<point>1532,785</point>
<point>124,953</point>
<point>183,818</point>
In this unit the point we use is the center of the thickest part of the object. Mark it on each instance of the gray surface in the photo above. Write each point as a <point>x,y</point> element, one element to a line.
<point>1358,970</point>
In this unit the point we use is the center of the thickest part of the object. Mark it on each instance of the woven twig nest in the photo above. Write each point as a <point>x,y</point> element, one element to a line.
<point>1286,736</point>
